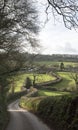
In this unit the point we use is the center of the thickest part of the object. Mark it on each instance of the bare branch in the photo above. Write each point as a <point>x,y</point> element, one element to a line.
<point>68,9</point>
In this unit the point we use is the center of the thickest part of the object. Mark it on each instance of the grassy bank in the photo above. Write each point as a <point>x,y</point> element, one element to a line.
<point>51,93</point>
<point>58,111</point>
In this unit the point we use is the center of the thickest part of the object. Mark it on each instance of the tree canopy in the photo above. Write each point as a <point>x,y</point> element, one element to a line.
<point>68,9</point>
<point>18,29</point>
<point>18,23</point>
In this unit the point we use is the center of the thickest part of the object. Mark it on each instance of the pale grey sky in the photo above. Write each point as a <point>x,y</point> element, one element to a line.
<point>55,38</point>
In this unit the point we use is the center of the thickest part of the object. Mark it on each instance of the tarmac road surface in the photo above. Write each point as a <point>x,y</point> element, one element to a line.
<point>21,119</point>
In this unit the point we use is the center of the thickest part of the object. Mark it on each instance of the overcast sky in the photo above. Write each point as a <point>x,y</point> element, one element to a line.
<point>55,38</point>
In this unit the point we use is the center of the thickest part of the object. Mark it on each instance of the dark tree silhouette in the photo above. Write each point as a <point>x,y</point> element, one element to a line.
<point>62,66</point>
<point>68,9</point>
<point>28,83</point>
<point>18,23</point>
<point>74,76</point>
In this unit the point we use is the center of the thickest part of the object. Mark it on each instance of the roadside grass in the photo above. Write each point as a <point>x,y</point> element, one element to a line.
<point>30,103</point>
<point>19,80</point>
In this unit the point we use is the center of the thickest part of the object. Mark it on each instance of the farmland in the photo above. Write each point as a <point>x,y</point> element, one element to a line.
<point>52,104</point>
<point>19,80</point>
<point>53,63</point>
<point>67,84</point>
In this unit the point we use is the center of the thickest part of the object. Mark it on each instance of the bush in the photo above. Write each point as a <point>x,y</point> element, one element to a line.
<point>28,83</point>
<point>62,111</point>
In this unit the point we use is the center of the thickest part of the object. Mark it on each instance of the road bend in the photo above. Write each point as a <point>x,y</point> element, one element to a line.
<point>21,119</point>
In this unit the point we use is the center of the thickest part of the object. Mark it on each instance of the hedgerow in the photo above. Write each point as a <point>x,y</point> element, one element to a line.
<point>60,112</point>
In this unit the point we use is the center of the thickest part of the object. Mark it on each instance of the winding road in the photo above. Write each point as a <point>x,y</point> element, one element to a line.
<point>21,119</point>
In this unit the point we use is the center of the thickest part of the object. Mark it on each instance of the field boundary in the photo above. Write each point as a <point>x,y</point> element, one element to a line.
<point>49,83</point>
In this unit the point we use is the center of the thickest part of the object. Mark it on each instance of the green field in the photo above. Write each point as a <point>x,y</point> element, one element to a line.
<point>51,93</point>
<point>20,79</point>
<point>53,63</point>
<point>66,84</point>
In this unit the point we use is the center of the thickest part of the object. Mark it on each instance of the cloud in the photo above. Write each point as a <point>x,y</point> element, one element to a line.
<point>54,37</point>
<point>66,48</point>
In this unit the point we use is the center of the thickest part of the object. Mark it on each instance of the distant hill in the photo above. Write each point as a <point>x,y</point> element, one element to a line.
<point>55,57</point>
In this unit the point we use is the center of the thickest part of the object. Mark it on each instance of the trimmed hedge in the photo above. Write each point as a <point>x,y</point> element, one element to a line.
<point>60,112</point>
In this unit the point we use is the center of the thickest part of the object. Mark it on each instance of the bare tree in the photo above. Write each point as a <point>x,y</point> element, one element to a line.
<point>68,9</point>
<point>18,25</point>
<point>61,66</point>
<point>74,76</point>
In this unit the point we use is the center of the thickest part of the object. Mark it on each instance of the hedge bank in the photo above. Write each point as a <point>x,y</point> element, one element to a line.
<point>59,112</point>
